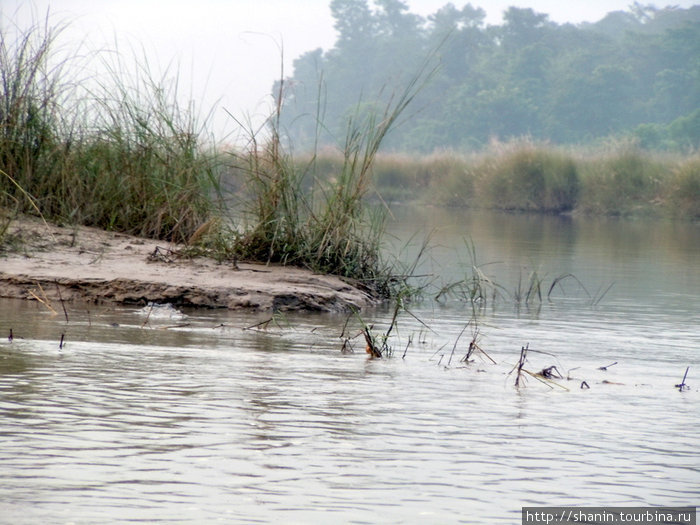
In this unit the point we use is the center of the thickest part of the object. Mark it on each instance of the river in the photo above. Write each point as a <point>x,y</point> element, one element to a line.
<point>200,416</point>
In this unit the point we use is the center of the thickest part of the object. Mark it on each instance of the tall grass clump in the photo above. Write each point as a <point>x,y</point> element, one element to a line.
<point>449,179</point>
<point>144,169</point>
<point>121,155</point>
<point>32,95</point>
<point>328,228</point>
<point>529,178</point>
<point>682,197</point>
<point>622,181</point>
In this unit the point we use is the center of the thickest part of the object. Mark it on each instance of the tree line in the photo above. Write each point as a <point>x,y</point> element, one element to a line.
<point>633,73</point>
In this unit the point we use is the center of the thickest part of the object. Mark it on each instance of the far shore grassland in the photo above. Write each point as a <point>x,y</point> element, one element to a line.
<point>125,156</point>
<point>616,179</point>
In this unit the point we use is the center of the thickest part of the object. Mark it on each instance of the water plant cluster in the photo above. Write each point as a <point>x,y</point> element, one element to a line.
<point>384,341</point>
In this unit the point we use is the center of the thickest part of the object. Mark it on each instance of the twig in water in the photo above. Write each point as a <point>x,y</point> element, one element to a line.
<point>422,339</point>
<point>372,349</point>
<point>410,340</point>
<point>347,320</point>
<point>599,296</point>
<point>438,351</point>
<point>474,345</point>
<point>262,325</point>
<point>584,385</point>
<point>560,279</point>
<point>551,373</point>
<point>11,337</point>
<point>148,316</point>
<point>682,386</point>
<point>568,373</point>
<point>540,377</point>
<point>45,301</point>
<point>454,347</point>
<point>181,325</point>
<point>60,298</point>
<point>604,368</point>
<point>347,347</point>
<point>521,363</point>
<point>60,343</point>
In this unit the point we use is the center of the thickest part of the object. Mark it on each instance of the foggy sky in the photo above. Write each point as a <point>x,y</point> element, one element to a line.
<point>228,52</point>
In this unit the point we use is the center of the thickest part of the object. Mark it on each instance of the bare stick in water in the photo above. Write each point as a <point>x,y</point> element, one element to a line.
<point>60,298</point>
<point>682,386</point>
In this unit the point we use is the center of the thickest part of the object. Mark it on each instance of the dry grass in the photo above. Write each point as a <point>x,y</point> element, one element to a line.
<point>619,179</point>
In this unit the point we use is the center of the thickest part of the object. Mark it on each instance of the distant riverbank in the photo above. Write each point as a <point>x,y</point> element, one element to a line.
<point>615,180</point>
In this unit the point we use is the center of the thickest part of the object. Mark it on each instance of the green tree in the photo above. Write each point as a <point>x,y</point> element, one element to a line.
<point>632,72</point>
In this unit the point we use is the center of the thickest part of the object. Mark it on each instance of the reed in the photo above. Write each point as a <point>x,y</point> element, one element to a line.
<point>123,155</point>
<point>533,292</point>
<point>682,195</point>
<point>623,181</point>
<point>477,287</point>
<point>528,177</point>
<point>32,91</point>
<point>518,368</point>
<point>144,169</point>
<point>324,223</point>
<point>618,179</point>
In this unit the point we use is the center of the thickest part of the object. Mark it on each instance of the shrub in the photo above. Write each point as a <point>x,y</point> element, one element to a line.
<point>683,195</point>
<point>530,179</point>
<point>621,182</point>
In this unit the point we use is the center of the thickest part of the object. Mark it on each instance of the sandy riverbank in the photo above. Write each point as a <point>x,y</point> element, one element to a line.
<point>86,264</point>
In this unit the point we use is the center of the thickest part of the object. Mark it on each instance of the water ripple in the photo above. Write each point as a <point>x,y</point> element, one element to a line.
<point>247,427</point>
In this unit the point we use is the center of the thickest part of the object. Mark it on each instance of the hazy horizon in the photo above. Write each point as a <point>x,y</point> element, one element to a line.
<point>228,53</point>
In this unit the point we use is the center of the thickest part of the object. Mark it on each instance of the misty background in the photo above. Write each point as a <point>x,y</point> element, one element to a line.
<point>567,72</point>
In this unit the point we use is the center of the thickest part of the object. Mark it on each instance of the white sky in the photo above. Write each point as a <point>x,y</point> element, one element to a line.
<point>227,51</point>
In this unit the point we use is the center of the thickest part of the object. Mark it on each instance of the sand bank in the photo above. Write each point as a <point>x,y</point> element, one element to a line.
<point>91,265</point>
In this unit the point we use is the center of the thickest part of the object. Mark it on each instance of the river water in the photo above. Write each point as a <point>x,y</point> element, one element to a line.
<point>157,415</point>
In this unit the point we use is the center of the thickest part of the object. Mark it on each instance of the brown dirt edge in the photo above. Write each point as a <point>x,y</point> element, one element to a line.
<point>86,264</point>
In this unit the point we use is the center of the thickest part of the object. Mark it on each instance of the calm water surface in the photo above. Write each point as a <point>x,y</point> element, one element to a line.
<point>154,415</point>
